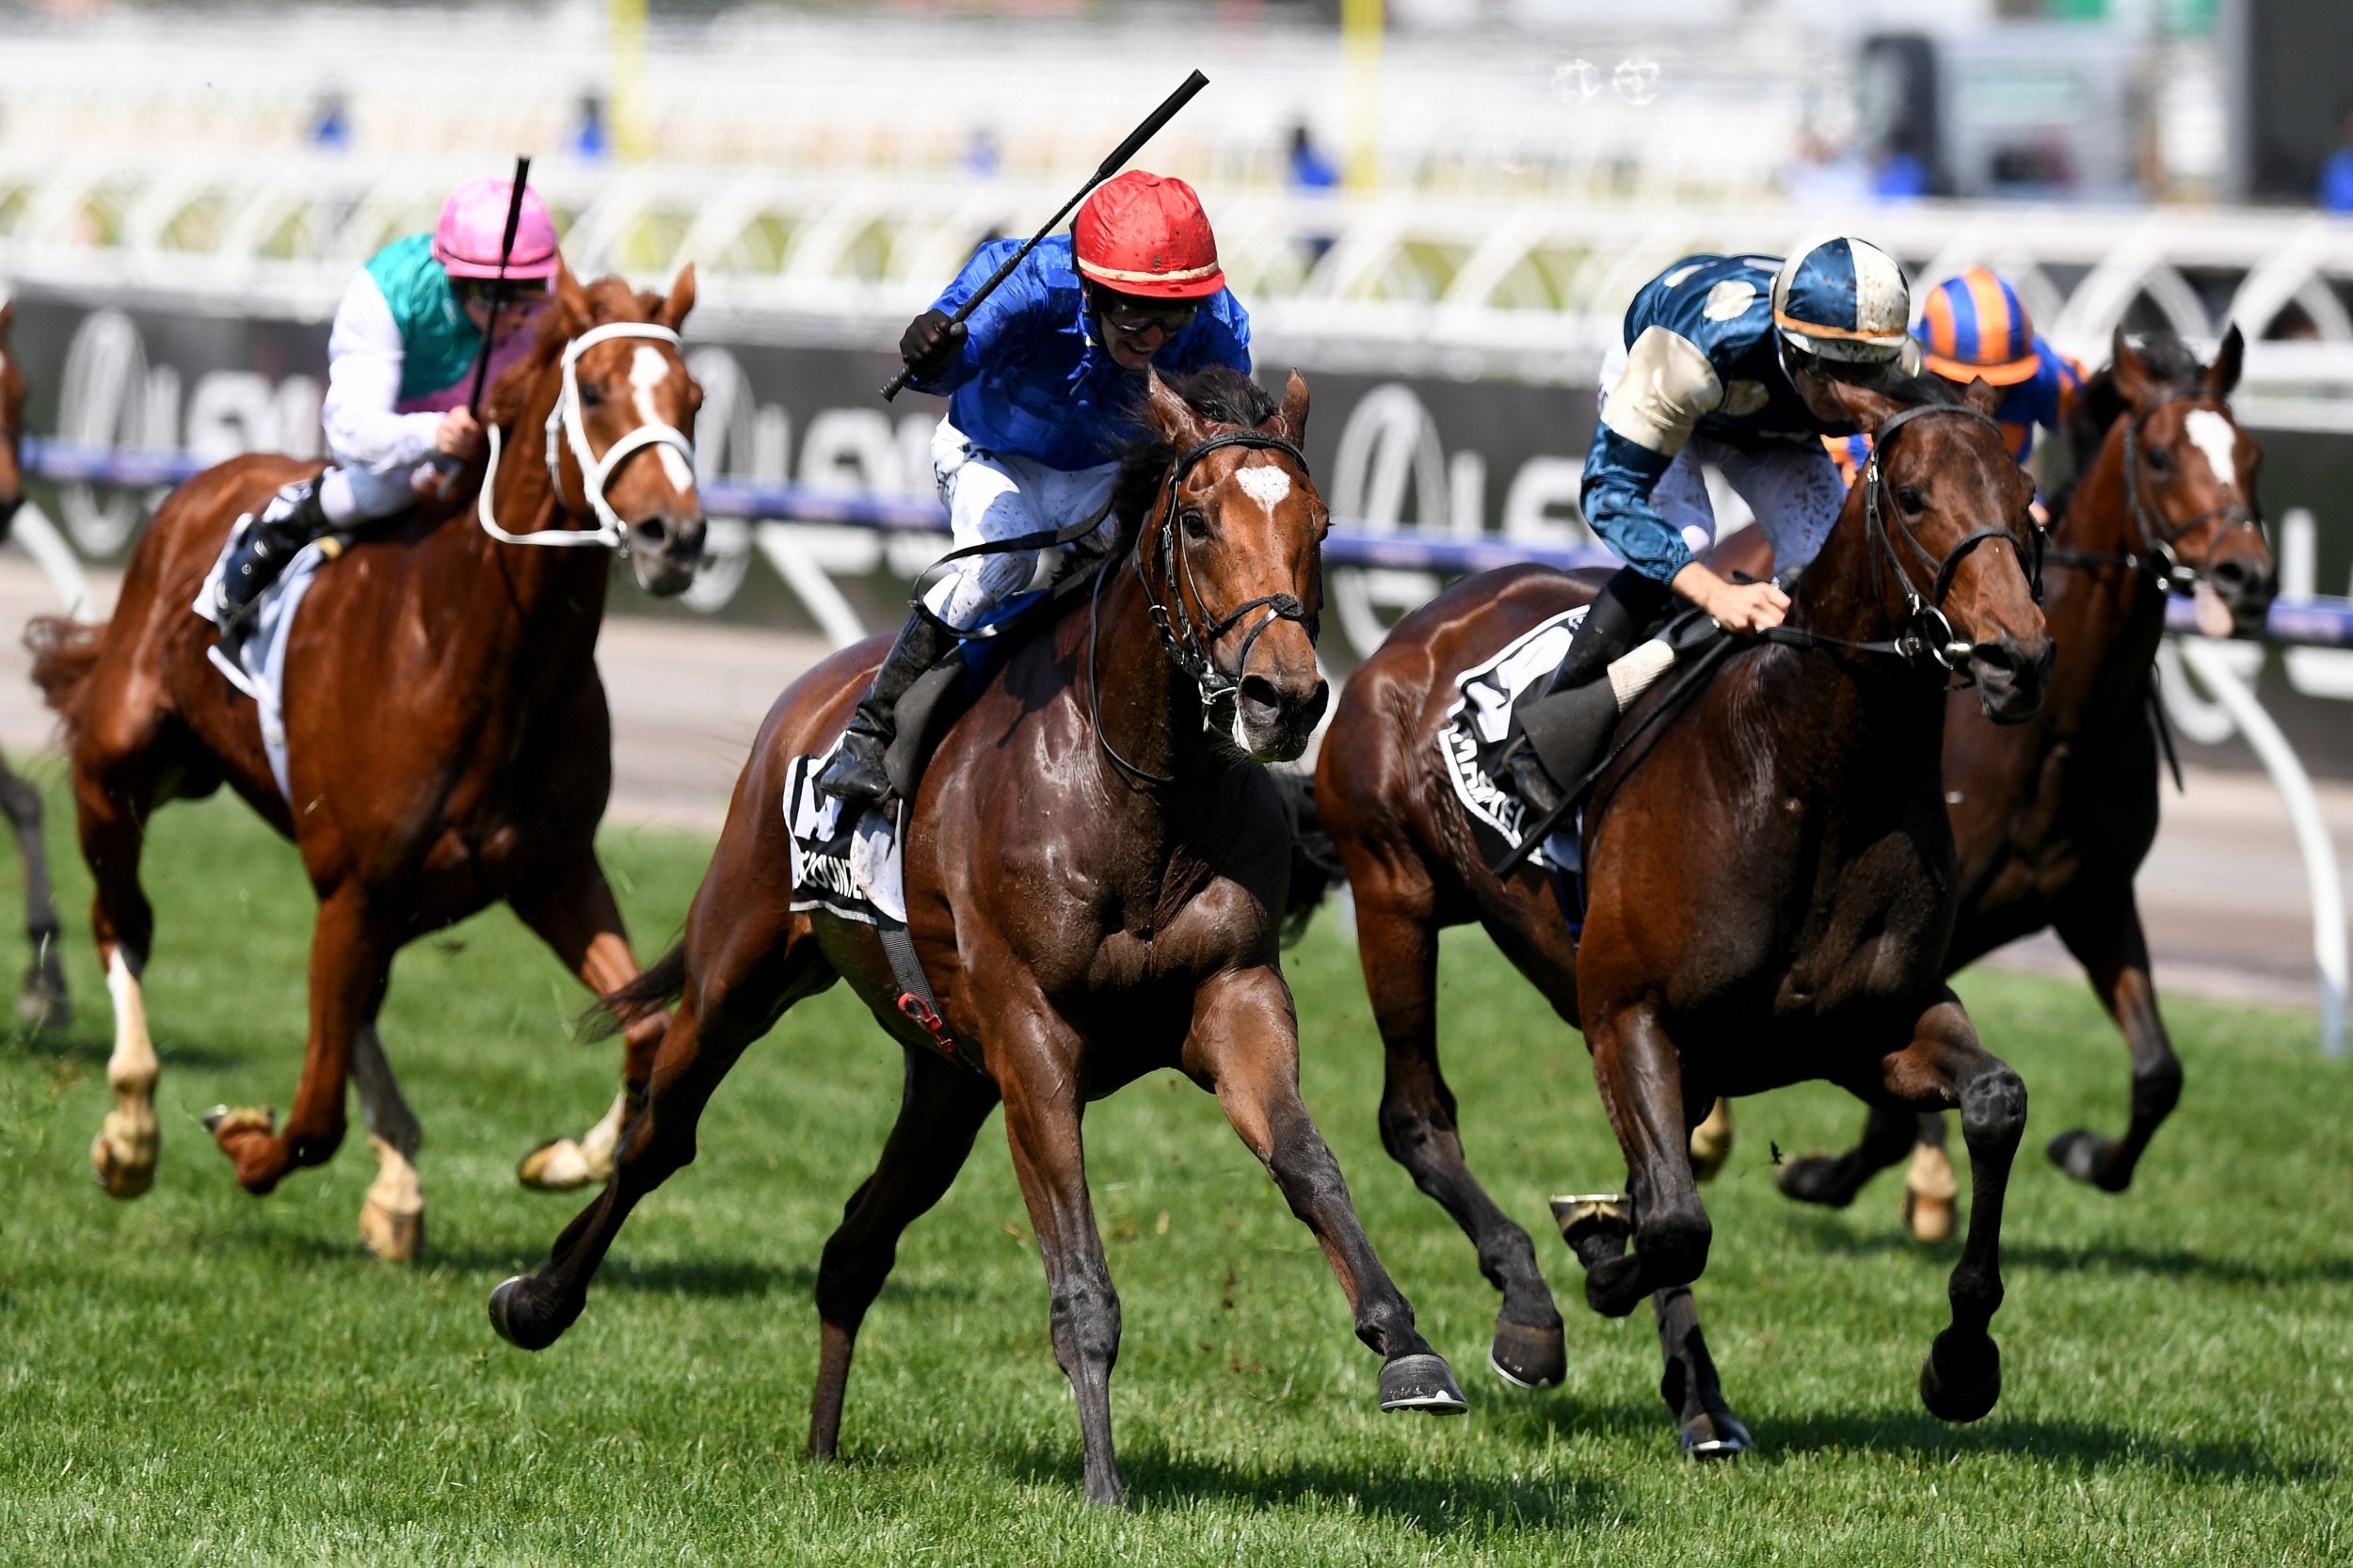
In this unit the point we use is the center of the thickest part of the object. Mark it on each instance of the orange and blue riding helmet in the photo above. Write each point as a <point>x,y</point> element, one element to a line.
<point>1975,326</point>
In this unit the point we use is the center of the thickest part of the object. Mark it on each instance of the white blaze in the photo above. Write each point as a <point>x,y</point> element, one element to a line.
<point>648,371</point>
<point>2217,438</point>
<point>1264,483</point>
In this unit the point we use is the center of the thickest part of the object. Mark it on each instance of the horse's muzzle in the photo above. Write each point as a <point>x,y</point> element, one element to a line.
<point>2246,583</point>
<point>2011,674</point>
<point>664,551</point>
<point>1275,718</point>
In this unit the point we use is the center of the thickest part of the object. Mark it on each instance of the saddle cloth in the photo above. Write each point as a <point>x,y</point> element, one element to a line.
<point>259,670</point>
<point>1481,720</point>
<point>849,868</point>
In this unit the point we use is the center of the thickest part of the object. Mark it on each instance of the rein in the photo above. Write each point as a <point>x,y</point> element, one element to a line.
<point>2156,555</point>
<point>1189,642</point>
<point>594,471</point>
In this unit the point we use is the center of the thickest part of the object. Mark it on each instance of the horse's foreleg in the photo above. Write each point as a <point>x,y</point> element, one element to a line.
<point>1641,1078</point>
<point>576,915</point>
<point>41,1000</point>
<point>1944,1066</point>
<point>113,834</point>
<point>1244,1047</point>
<point>391,1217</point>
<point>2103,933</point>
<point>351,958</point>
<point>1710,1430</point>
<point>940,1109</point>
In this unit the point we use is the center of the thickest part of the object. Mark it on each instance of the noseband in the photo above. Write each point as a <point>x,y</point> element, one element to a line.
<point>1928,635</point>
<point>594,471</point>
<point>1191,643</point>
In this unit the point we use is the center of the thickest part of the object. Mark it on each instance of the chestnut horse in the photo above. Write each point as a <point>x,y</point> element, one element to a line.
<point>41,998</point>
<point>1771,885</point>
<point>2054,817</point>
<point>1094,870</point>
<point>447,737</point>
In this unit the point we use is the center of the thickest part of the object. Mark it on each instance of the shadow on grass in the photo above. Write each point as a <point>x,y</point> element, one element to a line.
<point>1435,1505</point>
<point>86,1046</point>
<point>1827,1234</point>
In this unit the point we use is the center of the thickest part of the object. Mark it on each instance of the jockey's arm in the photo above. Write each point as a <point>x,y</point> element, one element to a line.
<point>1667,388</point>
<point>365,357</point>
<point>992,323</point>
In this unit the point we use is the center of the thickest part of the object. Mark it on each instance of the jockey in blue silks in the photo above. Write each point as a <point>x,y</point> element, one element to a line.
<point>1044,383</point>
<point>1722,361</point>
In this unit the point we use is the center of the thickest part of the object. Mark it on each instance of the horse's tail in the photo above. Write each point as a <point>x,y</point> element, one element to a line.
<point>1316,866</point>
<point>653,992</point>
<point>64,653</point>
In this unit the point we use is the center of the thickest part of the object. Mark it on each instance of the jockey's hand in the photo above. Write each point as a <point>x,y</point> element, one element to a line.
<point>1736,606</point>
<point>458,435</point>
<point>931,344</point>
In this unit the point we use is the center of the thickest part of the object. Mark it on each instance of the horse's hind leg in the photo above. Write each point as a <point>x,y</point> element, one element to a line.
<point>1944,1066</point>
<point>391,1217</point>
<point>2103,933</point>
<point>41,1000</point>
<point>940,1109</point>
<point>111,811</point>
<point>1244,1047</point>
<point>1400,951</point>
<point>577,916</point>
<point>1833,1179</point>
<point>1710,1430</point>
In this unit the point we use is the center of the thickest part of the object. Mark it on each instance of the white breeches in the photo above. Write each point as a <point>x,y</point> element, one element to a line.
<point>991,497</point>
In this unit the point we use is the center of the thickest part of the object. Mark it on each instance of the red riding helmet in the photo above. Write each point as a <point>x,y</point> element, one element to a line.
<point>1145,234</point>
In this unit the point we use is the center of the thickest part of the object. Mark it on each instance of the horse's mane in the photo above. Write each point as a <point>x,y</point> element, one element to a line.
<point>1220,395</point>
<point>1913,392</point>
<point>609,299</point>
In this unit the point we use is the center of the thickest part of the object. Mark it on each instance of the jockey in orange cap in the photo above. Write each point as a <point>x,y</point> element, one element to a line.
<point>1043,382</point>
<point>1974,327</point>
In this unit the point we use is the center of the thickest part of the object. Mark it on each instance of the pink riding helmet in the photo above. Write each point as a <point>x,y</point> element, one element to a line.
<point>474,221</point>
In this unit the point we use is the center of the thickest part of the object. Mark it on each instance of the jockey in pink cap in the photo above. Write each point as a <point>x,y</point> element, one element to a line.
<point>400,361</point>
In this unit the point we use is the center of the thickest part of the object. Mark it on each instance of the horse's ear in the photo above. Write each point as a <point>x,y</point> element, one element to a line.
<point>1172,414</point>
<point>1291,418</point>
<point>673,312</point>
<point>2220,377</point>
<point>7,315</point>
<point>1982,395</point>
<point>2133,381</point>
<point>571,299</point>
<point>1865,407</point>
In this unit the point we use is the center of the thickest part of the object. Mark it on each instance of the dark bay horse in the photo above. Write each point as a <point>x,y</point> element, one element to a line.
<point>447,737</point>
<point>40,999</point>
<point>1772,885</point>
<point>2054,817</point>
<point>1095,874</point>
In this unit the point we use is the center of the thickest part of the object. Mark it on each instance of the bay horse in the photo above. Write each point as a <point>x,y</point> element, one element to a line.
<point>1769,887</point>
<point>447,738</point>
<point>1095,872</point>
<point>40,999</point>
<point>2053,817</point>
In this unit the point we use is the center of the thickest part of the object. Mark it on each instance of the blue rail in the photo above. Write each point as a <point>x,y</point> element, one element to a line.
<point>2321,622</point>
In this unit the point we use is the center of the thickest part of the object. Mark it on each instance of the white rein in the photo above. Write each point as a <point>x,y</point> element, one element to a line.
<point>610,531</point>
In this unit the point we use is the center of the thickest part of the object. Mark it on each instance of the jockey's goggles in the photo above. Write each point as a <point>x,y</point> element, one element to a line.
<point>1123,313</point>
<point>518,293</point>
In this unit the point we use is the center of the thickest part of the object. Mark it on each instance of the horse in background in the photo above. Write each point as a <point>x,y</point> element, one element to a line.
<point>40,998</point>
<point>1769,887</point>
<point>448,744</point>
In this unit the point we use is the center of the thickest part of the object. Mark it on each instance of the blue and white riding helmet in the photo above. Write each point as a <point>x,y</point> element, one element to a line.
<point>1843,300</point>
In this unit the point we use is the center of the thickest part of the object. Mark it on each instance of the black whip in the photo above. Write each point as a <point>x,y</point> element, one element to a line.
<point>498,286</point>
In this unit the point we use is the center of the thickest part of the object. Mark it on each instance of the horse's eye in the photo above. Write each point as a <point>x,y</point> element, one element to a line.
<point>1196,525</point>
<point>1910,499</point>
<point>2160,460</point>
<point>591,395</point>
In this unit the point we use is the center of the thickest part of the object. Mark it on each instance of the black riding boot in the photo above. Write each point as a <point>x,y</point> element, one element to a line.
<point>1563,727</point>
<point>292,519</point>
<point>857,774</point>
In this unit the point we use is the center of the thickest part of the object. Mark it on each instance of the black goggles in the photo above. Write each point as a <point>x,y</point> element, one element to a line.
<point>1126,313</point>
<point>520,293</point>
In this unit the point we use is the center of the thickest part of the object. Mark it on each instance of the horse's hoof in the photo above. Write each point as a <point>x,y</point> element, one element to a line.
<point>123,1163</point>
<point>220,1120</point>
<point>1707,1437</point>
<point>522,1321</point>
<point>39,1007</point>
<point>2088,1157</point>
<point>558,1165</point>
<point>1422,1383</point>
<point>1613,1287</point>
<point>1962,1380</point>
<point>1529,1357</point>
<point>1813,1178</point>
<point>1929,1189</point>
<point>392,1236</point>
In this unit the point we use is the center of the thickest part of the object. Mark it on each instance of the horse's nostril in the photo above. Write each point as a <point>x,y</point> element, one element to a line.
<point>1259,691</point>
<point>1996,656</point>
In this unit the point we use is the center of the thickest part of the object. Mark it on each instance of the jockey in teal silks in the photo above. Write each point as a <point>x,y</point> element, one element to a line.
<point>400,362</point>
<point>1722,361</point>
<point>1045,384</point>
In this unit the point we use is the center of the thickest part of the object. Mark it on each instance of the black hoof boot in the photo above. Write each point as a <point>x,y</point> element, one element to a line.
<point>524,1320</point>
<point>1709,1437</point>
<point>1423,1383</point>
<point>1962,1380</point>
<point>2089,1158</point>
<point>1526,1357</point>
<point>1814,1178</point>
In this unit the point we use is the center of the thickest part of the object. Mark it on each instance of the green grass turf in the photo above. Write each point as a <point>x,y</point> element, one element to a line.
<point>203,1377</point>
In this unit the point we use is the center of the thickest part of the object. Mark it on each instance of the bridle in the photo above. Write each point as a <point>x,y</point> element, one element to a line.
<point>2156,534</point>
<point>1189,642</point>
<point>594,471</point>
<point>1928,635</point>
